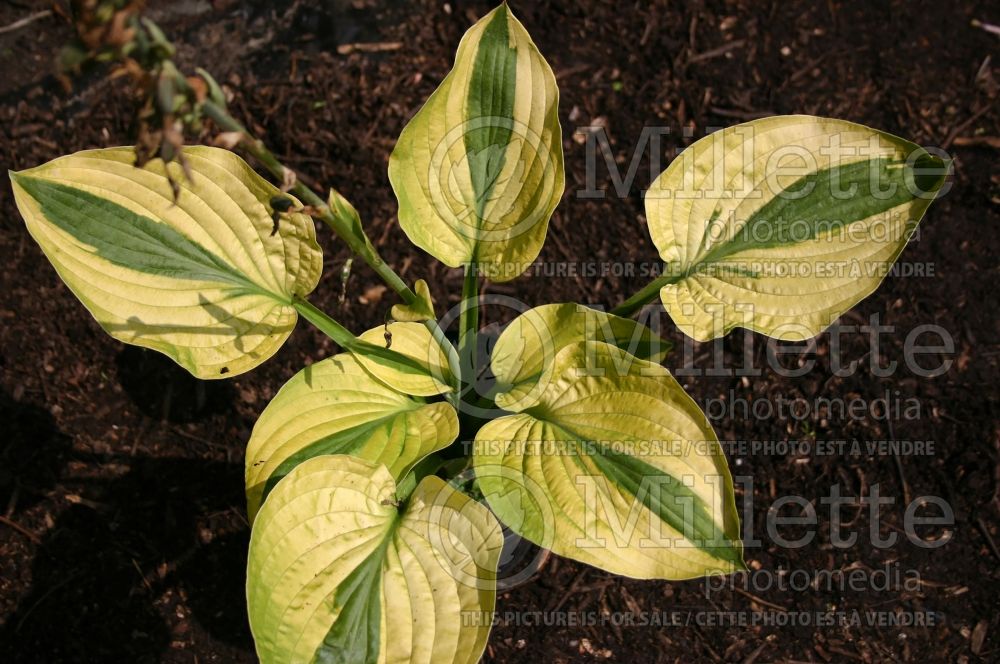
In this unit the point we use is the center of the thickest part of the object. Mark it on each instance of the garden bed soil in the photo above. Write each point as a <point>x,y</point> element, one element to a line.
<point>123,533</point>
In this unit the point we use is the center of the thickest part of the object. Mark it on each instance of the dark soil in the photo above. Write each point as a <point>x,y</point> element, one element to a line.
<point>123,534</point>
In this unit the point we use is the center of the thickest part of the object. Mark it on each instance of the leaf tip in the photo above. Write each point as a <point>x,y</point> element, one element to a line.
<point>928,171</point>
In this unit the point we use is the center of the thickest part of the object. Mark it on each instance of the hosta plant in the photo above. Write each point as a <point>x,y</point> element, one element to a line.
<point>369,541</point>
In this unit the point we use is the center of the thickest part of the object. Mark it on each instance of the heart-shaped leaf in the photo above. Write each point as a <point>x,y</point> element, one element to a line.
<point>208,279</point>
<point>479,169</point>
<point>336,407</point>
<point>614,466</point>
<point>781,225</point>
<point>530,344</point>
<point>339,573</point>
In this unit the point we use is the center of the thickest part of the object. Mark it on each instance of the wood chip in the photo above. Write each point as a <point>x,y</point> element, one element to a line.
<point>978,637</point>
<point>372,47</point>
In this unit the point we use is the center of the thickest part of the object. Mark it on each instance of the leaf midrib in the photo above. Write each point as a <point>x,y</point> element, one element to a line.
<point>702,515</point>
<point>735,245</point>
<point>350,438</point>
<point>194,256</point>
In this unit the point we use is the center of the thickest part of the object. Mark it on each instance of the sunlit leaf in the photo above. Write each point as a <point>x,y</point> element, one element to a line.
<point>479,169</point>
<point>421,310</point>
<point>339,573</point>
<point>781,225</point>
<point>336,407</point>
<point>427,373</point>
<point>614,466</point>
<point>530,344</point>
<point>208,279</point>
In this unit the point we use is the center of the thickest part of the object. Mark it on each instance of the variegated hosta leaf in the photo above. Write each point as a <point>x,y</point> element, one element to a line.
<point>205,279</point>
<point>530,344</point>
<point>421,310</point>
<point>336,407</point>
<point>614,466</point>
<point>428,376</point>
<point>479,169</point>
<point>339,573</point>
<point>781,225</point>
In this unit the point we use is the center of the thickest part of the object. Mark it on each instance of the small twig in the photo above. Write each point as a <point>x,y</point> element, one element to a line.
<point>845,653</point>
<point>21,529</point>
<point>571,71</point>
<point>988,27</point>
<point>752,657</point>
<point>198,439</point>
<point>142,576</point>
<point>969,141</point>
<point>738,114</point>
<point>899,467</point>
<point>239,515</point>
<point>989,538</point>
<point>762,602</point>
<point>965,125</point>
<point>26,21</point>
<point>806,69</point>
<point>716,52</point>
<point>569,591</point>
<point>701,636</point>
<point>48,593</point>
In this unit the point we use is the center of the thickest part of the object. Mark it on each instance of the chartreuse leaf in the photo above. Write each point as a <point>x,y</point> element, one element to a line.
<point>530,343</point>
<point>479,169</point>
<point>203,279</point>
<point>421,310</point>
<point>336,407</point>
<point>781,225</point>
<point>426,374</point>
<point>614,466</point>
<point>339,573</point>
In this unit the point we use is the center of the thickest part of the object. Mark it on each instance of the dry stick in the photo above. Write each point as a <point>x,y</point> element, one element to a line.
<point>899,466</point>
<point>752,657</point>
<point>21,529</point>
<point>716,52</point>
<point>48,593</point>
<point>989,538</point>
<point>965,125</point>
<point>369,47</point>
<point>740,115</point>
<point>569,591</point>
<point>198,439</point>
<point>26,21</point>
<point>988,27</point>
<point>701,636</point>
<point>968,141</point>
<point>763,602</point>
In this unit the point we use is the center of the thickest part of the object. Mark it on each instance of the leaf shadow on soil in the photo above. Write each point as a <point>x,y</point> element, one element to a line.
<point>140,542</point>
<point>162,390</point>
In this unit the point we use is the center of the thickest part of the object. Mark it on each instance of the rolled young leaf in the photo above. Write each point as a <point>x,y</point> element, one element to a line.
<point>336,407</point>
<point>781,225</point>
<point>479,169</point>
<point>530,344</point>
<point>208,279</point>
<point>339,573</point>
<point>614,466</point>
